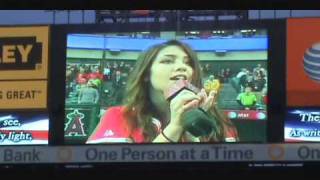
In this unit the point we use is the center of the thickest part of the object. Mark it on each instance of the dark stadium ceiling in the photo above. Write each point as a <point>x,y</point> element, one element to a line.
<point>133,16</point>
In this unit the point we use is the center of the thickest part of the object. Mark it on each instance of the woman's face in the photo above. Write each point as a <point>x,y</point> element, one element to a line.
<point>171,64</point>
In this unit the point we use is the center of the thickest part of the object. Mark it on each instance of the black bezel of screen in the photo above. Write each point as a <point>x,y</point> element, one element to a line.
<point>276,30</point>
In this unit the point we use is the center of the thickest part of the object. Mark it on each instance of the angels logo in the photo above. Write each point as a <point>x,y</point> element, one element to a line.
<point>74,126</point>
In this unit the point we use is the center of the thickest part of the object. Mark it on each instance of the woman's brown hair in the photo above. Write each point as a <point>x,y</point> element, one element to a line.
<point>138,107</point>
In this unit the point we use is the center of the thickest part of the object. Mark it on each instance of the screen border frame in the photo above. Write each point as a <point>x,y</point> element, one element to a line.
<point>276,31</point>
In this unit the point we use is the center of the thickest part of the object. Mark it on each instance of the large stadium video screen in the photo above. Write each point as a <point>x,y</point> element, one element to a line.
<point>167,86</point>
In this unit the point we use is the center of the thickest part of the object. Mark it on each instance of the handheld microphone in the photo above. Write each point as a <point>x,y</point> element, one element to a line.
<point>196,121</point>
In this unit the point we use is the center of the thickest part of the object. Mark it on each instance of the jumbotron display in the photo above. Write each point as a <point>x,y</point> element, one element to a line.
<point>107,73</point>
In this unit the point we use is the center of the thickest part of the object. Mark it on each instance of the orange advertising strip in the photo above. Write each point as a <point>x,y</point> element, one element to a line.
<point>24,53</point>
<point>303,62</point>
<point>23,94</point>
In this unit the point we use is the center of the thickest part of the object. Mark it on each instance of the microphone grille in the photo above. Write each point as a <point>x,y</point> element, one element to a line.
<point>178,86</point>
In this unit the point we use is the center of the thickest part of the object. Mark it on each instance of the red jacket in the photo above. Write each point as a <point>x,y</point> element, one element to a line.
<point>113,128</point>
<point>95,75</point>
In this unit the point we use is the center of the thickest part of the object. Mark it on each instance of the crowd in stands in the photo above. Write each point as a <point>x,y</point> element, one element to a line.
<point>250,84</point>
<point>252,87</point>
<point>223,75</point>
<point>110,79</point>
<point>109,82</point>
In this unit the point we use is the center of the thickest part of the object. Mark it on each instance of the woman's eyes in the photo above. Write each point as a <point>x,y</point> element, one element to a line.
<point>167,61</point>
<point>170,61</point>
<point>188,62</point>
